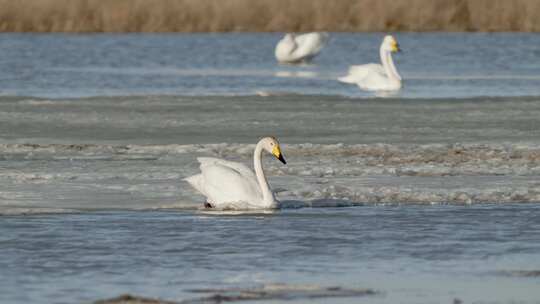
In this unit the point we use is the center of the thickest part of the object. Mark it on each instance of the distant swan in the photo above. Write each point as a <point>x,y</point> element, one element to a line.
<point>232,185</point>
<point>376,77</point>
<point>295,48</point>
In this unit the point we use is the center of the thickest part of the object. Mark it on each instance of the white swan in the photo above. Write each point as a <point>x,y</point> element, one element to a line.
<point>295,48</point>
<point>376,77</point>
<point>232,185</point>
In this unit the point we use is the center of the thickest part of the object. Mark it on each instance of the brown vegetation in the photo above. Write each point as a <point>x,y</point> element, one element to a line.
<point>267,15</point>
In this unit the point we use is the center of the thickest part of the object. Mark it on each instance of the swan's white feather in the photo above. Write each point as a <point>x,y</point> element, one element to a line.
<point>196,181</point>
<point>208,161</point>
<point>375,81</point>
<point>309,45</point>
<point>226,183</point>
<point>303,48</point>
<point>358,73</point>
<point>376,77</point>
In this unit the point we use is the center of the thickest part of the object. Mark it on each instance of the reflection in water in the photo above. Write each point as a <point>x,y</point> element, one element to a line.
<point>296,74</point>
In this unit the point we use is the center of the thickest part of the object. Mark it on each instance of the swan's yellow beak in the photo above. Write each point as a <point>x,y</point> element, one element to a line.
<point>276,151</point>
<point>395,46</point>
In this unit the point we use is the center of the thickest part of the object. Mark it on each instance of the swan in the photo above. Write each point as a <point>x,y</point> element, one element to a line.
<point>377,77</point>
<point>231,185</point>
<point>295,48</point>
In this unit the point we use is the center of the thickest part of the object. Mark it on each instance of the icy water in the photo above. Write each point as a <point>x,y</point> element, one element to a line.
<point>429,195</point>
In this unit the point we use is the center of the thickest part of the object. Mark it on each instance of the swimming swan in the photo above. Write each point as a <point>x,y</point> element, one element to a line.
<point>376,77</point>
<point>232,185</point>
<point>295,48</point>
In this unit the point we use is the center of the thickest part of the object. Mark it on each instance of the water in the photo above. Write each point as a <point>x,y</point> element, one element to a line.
<point>412,253</point>
<point>424,196</point>
<point>438,65</point>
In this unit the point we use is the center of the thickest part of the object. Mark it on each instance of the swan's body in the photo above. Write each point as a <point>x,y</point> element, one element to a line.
<point>300,48</point>
<point>377,77</point>
<point>232,185</point>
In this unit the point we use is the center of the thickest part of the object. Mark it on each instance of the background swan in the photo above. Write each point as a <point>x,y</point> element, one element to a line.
<point>295,48</point>
<point>232,185</point>
<point>377,77</point>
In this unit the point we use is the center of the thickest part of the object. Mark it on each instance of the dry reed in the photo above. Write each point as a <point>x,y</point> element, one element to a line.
<point>267,15</point>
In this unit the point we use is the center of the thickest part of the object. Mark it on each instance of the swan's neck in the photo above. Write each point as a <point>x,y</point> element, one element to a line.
<point>388,65</point>
<point>268,196</point>
<point>289,44</point>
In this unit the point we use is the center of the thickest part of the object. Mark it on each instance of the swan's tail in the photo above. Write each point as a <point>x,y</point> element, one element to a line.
<point>196,181</point>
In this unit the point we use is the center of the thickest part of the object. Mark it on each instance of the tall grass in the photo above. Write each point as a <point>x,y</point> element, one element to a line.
<point>267,15</point>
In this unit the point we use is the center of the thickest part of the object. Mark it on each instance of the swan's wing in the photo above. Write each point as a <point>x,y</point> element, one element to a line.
<point>224,182</point>
<point>302,38</point>
<point>374,82</point>
<point>309,45</point>
<point>316,39</point>
<point>365,69</point>
<point>224,185</point>
<point>358,73</point>
<point>243,169</point>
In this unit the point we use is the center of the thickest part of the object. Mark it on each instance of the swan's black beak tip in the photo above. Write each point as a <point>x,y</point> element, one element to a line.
<point>281,159</point>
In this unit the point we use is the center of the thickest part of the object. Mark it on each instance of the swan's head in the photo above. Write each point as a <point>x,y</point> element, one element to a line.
<point>271,145</point>
<point>390,44</point>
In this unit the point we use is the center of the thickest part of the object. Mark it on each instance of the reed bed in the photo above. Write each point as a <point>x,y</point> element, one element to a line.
<point>268,15</point>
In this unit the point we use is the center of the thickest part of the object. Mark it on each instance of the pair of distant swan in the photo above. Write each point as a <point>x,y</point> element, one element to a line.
<point>295,48</point>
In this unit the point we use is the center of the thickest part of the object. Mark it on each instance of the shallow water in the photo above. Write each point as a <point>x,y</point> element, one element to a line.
<point>441,65</point>
<point>414,254</point>
<point>425,196</point>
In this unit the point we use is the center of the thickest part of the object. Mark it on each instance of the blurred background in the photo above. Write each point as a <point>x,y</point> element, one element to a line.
<point>267,15</point>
